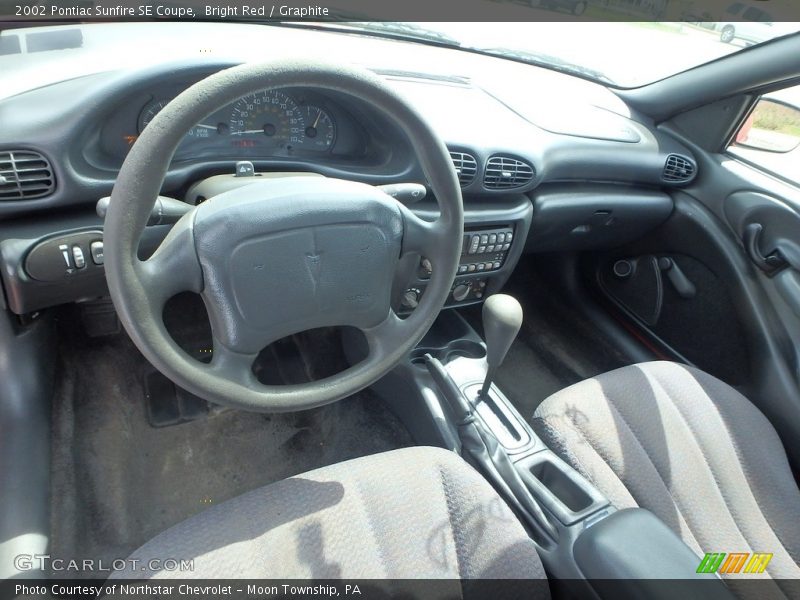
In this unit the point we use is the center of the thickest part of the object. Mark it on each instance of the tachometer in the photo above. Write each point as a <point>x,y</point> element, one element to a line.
<point>152,108</point>
<point>270,116</point>
<point>320,130</point>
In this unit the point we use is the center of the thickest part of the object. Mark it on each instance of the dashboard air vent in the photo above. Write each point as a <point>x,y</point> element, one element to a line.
<point>679,169</point>
<point>466,167</point>
<point>24,175</point>
<point>504,172</point>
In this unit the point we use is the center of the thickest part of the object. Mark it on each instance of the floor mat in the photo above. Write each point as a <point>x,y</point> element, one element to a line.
<point>117,481</point>
<point>555,348</point>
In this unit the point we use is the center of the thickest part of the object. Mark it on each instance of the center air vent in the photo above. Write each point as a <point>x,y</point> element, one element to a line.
<point>24,175</point>
<point>504,172</point>
<point>466,167</point>
<point>679,169</point>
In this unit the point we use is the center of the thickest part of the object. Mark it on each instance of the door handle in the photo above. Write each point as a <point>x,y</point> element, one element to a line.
<point>770,263</point>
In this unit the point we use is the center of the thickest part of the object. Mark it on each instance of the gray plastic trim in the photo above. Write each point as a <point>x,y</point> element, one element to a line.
<point>26,389</point>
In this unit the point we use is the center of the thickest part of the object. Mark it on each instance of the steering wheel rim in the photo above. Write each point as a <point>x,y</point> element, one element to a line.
<point>139,289</point>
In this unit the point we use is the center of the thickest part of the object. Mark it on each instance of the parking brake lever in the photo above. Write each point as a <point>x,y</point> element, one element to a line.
<point>481,448</point>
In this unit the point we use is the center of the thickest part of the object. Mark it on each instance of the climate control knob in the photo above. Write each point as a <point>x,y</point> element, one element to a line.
<point>461,291</point>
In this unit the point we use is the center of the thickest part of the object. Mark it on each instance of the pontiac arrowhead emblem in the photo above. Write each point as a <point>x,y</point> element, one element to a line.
<point>314,262</point>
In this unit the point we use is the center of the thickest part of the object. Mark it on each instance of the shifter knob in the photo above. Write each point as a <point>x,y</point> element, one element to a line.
<point>502,319</point>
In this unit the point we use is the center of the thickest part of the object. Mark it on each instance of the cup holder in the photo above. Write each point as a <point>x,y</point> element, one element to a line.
<point>452,350</point>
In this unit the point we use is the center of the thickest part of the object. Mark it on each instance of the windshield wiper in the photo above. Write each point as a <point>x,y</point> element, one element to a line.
<point>547,61</point>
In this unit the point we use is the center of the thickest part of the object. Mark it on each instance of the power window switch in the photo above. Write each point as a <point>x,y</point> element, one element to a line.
<point>96,249</point>
<point>78,258</point>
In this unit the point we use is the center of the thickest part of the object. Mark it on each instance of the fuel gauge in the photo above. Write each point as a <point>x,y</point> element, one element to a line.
<point>320,130</point>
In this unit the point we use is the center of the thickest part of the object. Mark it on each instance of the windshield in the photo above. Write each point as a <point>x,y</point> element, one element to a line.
<point>627,54</point>
<point>622,54</point>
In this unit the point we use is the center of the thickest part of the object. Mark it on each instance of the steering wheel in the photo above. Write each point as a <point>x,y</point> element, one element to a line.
<point>279,256</point>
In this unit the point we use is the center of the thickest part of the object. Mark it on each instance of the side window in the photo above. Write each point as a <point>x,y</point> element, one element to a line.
<point>770,136</point>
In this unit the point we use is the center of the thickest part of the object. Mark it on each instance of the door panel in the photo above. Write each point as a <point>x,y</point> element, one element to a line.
<point>770,232</point>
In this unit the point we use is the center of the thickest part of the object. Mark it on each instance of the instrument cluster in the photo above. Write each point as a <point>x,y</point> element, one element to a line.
<point>270,119</point>
<point>274,124</point>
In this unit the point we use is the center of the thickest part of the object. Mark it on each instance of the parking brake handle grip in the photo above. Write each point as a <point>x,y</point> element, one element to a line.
<point>166,211</point>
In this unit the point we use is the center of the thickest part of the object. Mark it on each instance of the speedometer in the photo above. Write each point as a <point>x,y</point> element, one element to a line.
<point>270,116</point>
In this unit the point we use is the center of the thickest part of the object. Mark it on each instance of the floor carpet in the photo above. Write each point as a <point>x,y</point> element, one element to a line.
<point>117,481</point>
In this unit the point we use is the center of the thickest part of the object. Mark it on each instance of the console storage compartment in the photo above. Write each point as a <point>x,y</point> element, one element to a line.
<point>559,487</point>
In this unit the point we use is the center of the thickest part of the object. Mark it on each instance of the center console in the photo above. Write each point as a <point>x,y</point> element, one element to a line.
<point>585,543</point>
<point>494,237</point>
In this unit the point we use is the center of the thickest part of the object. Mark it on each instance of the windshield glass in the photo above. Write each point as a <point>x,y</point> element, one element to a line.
<point>622,54</point>
<point>626,54</point>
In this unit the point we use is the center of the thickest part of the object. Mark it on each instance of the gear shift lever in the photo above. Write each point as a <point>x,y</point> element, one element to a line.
<point>502,318</point>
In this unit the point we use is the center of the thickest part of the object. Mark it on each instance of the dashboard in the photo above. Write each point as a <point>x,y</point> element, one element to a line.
<point>556,169</point>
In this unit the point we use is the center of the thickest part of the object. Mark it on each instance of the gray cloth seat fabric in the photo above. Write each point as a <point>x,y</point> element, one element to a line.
<point>411,513</point>
<point>687,447</point>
